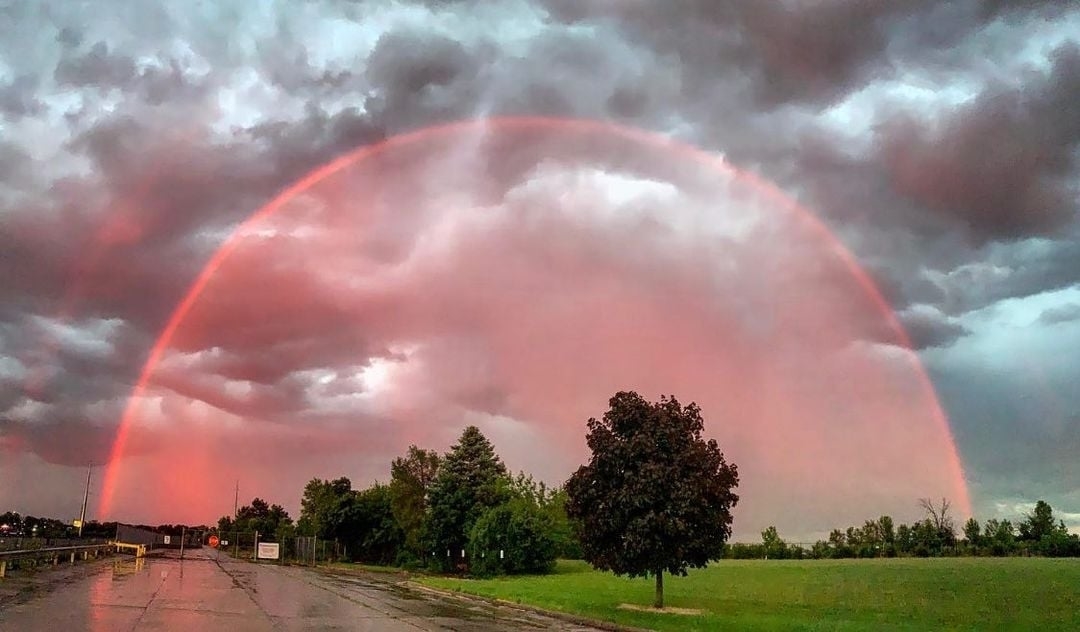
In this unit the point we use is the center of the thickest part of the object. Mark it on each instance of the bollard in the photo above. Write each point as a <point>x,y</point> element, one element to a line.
<point>3,568</point>
<point>73,558</point>
<point>55,559</point>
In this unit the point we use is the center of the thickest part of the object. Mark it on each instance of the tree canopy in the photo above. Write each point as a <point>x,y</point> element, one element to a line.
<point>271,521</point>
<point>655,496</point>
<point>412,478</point>
<point>323,506</point>
<point>471,480</point>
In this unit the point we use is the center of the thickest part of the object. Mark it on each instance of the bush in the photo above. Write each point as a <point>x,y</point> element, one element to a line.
<point>522,531</point>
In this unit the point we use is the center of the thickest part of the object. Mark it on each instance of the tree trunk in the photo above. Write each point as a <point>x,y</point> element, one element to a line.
<point>659,601</point>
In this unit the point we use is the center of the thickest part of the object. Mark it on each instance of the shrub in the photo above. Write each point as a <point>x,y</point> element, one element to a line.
<point>524,534</point>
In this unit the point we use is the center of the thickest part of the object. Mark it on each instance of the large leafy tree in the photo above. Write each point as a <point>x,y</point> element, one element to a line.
<point>323,506</point>
<point>1039,523</point>
<point>372,533</point>
<point>471,480</point>
<point>411,480</point>
<point>1045,536</point>
<point>655,496</point>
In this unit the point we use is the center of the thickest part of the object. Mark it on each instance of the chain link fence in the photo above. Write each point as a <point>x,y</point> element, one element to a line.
<point>293,550</point>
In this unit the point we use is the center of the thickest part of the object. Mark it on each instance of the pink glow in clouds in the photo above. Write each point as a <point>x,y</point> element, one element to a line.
<point>515,273</point>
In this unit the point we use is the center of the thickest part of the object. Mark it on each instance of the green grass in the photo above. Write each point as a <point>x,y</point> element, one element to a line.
<point>895,594</point>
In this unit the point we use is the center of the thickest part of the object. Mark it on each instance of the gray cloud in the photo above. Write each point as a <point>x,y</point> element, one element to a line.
<point>1061,314</point>
<point>1004,166</point>
<point>17,98</point>
<point>928,327</point>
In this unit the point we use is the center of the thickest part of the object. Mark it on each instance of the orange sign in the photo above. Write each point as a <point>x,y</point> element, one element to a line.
<point>213,541</point>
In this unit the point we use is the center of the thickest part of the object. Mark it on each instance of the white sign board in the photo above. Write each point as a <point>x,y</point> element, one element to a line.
<point>168,540</point>
<point>268,551</point>
<point>224,543</point>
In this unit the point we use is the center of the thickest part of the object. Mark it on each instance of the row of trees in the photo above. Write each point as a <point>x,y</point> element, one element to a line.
<point>13,524</point>
<point>1037,534</point>
<point>271,522</point>
<point>462,510</point>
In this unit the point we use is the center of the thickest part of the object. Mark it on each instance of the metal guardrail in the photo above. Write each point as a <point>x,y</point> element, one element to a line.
<point>138,549</point>
<point>6,557</point>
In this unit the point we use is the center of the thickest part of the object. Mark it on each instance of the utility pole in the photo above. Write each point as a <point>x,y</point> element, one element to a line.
<point>86,497</point>
<point>236,501</point>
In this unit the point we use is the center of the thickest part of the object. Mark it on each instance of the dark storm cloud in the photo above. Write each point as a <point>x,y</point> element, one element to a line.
<point>927,327</point>
<point>102,69</point>
<point>1022,269</point>
<point>1003,166</point>
<point>15,163</point>
<point>795,51</point>
<point>98,68</point>
<point>17,98</point>
<point>940,205</point>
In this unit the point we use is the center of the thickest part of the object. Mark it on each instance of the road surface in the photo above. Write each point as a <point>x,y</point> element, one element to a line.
<point>209,591</point>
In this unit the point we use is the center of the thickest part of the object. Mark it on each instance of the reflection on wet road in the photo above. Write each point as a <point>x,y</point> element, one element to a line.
<point>209,591</point>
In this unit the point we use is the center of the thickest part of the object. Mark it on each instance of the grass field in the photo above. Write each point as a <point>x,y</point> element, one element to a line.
<point>895,594</point>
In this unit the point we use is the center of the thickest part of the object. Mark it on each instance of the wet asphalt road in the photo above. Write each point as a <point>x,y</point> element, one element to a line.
<point>209,591</point>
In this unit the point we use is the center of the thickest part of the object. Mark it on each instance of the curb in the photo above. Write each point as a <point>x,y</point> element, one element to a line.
<point>554,614</point>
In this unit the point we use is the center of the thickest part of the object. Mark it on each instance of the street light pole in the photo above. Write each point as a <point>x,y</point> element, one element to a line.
<point>86,496</point>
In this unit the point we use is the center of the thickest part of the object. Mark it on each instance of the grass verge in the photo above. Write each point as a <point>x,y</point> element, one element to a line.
<point>897,594</point>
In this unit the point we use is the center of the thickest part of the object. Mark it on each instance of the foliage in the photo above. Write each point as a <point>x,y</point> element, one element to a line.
<point>412,478</point>
<point>32,526</point>
<point>933,537</point>
<point>513,538</point>
<point>773,547</point>
<point>552,502</point>
<point>972,534</point>
<point>322,508</point>
<point>1044,537</point>
<point>1000,536</point>
<point>655,495</point>
<point>268,520</point>
<point>1039,523</point>
<point>471,480</point>
<point>373,534</point>
<point>565,532</point>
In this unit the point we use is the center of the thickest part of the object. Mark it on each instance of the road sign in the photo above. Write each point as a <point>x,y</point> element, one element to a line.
<point>213,541</point>
<point>268,551</point>
<point>168,540</point>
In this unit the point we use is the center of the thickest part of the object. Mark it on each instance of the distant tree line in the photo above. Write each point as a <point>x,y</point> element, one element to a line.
<point>12,524</point>
<point>271,522</point>
<point>1038,533</point>
<point>454,512</point>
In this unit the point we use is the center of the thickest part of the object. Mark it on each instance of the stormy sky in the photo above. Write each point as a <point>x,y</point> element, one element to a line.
<point>835,225</point>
